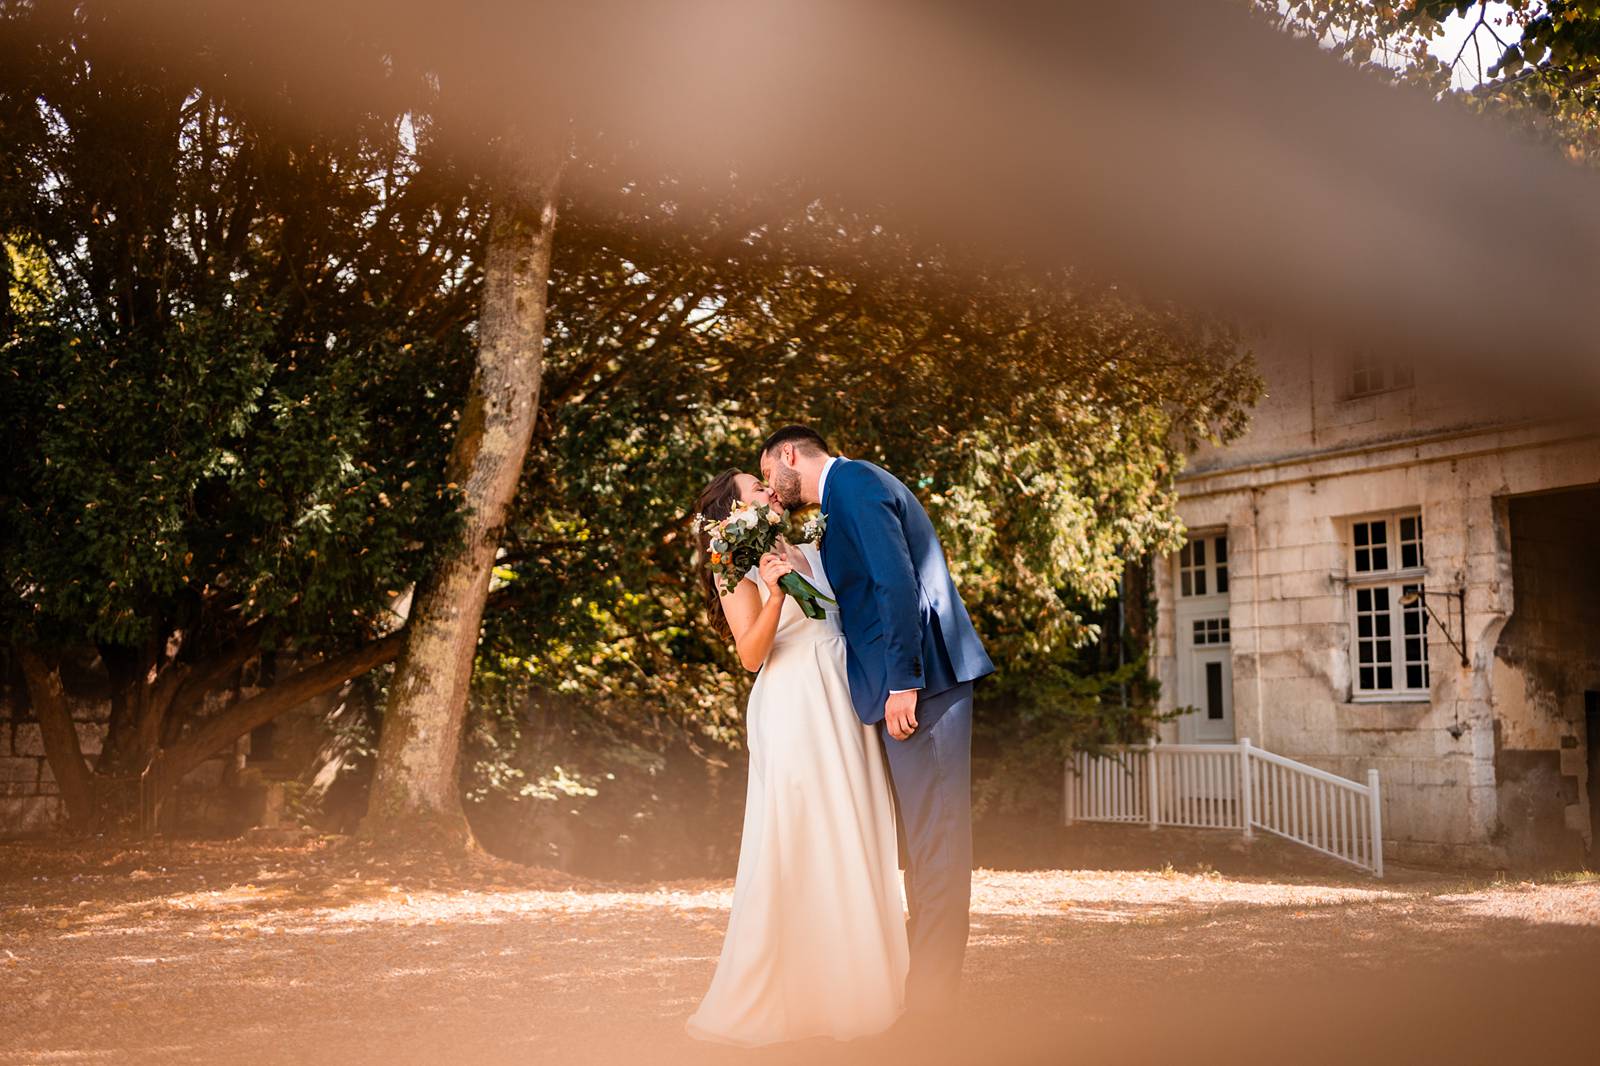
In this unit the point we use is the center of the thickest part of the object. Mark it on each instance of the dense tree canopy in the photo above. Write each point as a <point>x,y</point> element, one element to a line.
<point>230,364</point>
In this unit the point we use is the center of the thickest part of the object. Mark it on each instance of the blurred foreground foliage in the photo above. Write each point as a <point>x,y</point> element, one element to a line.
<point>1535,63</point>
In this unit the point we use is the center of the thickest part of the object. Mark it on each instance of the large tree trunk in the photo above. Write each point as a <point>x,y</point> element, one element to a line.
<point>145,683</point>
<point>415,797</point>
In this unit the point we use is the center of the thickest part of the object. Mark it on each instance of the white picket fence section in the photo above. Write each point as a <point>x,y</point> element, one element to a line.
<point>1229,786</point>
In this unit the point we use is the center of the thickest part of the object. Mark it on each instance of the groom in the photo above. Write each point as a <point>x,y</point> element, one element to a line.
<point>912,656</point>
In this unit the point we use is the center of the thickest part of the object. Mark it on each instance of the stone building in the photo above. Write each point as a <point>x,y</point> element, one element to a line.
<point>1398,569</point>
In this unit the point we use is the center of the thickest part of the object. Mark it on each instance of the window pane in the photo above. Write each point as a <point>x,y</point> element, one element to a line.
<point>1222,579</point>
<point>1184,578</point>
<point>1222,550</point>
<point>1411,540</point>
<point>1374,653</point>
<point>1214,691</point>
<point>1415,646</point>
<point>1199,582</point>
<point>1373,544</point>
<point>1183,554</point>
<point>1199,553</point>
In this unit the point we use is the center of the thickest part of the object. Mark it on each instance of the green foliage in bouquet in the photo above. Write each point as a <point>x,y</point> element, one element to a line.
<point>750,531</point>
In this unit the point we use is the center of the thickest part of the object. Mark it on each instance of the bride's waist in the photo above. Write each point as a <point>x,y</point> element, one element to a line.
<point>804,638</point>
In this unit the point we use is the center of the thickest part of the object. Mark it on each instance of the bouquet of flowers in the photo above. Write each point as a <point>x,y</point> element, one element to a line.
<point>750,531</point>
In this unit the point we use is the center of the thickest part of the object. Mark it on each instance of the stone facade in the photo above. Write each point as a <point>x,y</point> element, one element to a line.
<point>1483,763</point>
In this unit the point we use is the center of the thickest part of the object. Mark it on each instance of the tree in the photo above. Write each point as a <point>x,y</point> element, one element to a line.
<point>228,381</point>
<point>416,793</point>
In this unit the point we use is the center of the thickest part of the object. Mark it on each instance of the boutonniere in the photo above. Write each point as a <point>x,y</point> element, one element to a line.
<point>807,525</point>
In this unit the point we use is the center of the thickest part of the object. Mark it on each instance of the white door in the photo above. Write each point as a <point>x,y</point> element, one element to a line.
<point>1210,691</point>
<point>1204,643</point>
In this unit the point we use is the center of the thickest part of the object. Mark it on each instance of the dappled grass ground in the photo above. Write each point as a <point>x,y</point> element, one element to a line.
<point>324,952</point>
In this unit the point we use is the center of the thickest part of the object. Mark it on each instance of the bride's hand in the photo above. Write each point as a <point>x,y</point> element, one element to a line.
<point>773,567</point>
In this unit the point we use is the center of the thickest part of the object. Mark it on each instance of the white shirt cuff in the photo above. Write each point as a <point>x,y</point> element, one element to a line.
<point>897,691</point>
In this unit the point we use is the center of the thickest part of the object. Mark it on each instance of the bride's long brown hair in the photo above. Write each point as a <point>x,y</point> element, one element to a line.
<point>715,501</point>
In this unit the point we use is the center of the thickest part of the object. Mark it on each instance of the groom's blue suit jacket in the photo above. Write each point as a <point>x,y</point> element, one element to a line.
<point>904,623</point>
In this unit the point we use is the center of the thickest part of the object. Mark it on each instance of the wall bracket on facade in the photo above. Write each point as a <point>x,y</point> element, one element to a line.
<point>1460,597</point>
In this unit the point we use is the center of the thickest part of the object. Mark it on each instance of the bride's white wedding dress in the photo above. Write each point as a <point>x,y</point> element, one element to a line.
<point>816,942</point>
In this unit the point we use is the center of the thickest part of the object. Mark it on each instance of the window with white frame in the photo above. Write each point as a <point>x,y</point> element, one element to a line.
<point>1389,637</point>
<point>1203,566</point>
<point>1371,373</point>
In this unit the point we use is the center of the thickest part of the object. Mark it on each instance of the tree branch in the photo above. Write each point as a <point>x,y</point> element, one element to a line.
<point>257,710</point>
<point>61,748</point>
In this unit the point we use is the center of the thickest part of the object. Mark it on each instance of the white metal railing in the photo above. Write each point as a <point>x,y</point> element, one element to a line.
<point>1229,786</point>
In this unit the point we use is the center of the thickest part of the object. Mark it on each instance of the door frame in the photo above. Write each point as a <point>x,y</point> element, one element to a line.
<point>1191,657</point>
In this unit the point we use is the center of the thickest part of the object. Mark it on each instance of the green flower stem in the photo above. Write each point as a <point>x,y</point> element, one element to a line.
<point>805,594</point>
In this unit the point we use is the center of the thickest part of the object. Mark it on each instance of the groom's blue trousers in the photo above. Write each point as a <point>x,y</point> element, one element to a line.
<point>931,772</point>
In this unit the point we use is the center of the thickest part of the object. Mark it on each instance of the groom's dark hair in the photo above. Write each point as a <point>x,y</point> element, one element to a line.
<point>804,438</point>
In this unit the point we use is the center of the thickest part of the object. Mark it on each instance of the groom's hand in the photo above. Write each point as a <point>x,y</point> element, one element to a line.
<point>900,714</point>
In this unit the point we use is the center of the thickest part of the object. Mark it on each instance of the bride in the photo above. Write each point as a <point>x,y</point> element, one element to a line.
<point>816,942</point>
